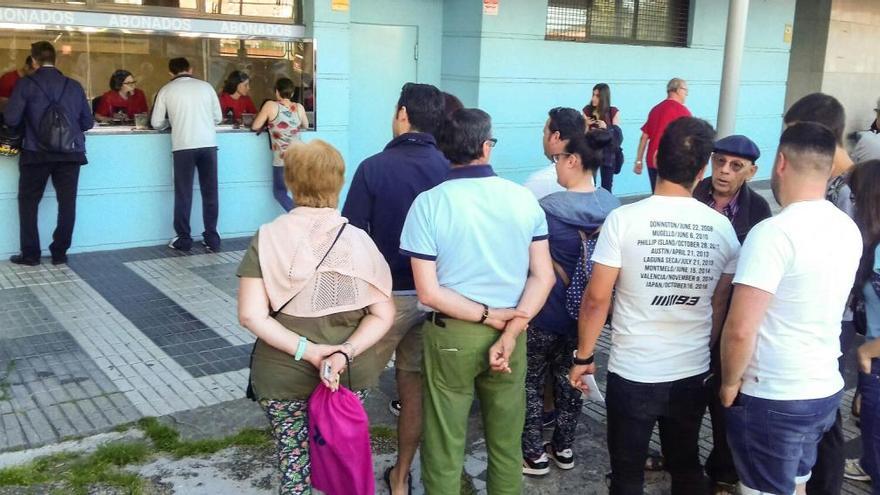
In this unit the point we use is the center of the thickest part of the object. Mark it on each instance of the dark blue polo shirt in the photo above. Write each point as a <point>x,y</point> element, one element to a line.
<point>383,189</point>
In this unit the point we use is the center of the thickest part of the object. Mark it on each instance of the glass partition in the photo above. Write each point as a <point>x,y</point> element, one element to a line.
<point>90,56</point>
<point>218,9</point>
<point>253,8</point>
<point>176,4</point>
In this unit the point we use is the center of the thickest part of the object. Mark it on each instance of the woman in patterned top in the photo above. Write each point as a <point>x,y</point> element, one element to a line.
<point>284,119</point>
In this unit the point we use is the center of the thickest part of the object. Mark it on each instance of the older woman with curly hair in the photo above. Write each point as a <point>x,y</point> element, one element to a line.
<point>311,286</point>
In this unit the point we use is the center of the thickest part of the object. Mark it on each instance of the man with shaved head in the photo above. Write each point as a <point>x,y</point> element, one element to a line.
<point>779,347</point>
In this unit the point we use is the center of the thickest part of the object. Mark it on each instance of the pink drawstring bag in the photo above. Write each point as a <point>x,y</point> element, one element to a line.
<point>339,443</point>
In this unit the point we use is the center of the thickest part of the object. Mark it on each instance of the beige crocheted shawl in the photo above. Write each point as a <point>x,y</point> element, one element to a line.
<point>353,276</point>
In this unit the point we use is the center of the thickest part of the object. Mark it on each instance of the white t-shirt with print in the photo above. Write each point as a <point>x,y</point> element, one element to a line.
<point>671,252</point>
<point>806,256</point>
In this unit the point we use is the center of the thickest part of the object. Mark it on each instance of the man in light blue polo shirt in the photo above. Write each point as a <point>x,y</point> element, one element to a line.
<point>481,263</point>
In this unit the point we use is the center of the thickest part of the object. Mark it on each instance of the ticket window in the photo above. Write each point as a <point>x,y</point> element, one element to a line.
<point>91,57</point>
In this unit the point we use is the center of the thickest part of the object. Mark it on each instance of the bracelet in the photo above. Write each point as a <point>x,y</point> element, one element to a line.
<point>301,348</point>
<point>582,362</point>
<point>353,350</point>
<point>485,314</point>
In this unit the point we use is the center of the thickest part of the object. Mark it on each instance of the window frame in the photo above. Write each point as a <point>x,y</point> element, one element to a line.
<point>631,40</point>
<point>149,10</point>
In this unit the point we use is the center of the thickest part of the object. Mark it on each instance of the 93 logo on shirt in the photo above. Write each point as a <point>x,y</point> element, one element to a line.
<point>675,300</point>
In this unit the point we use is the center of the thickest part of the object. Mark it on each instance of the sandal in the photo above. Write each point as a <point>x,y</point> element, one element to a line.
<point>387,478</point>
<point>655,462</point>
<point>722,488</point>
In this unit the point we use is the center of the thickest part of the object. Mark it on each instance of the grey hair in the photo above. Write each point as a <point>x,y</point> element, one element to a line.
<point>674,84</point>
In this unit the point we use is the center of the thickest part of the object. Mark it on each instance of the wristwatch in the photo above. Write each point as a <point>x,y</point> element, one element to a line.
<point>582,362</point>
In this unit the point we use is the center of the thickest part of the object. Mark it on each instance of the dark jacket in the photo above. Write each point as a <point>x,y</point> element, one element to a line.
<point>567,213</point>
<point>28,103</point>
<point>752,207</point>
<point>385,186</point>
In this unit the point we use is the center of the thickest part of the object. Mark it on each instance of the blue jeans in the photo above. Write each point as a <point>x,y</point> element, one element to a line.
<point>279,189</point>
<point>869,386</point>
<point>774,441</point>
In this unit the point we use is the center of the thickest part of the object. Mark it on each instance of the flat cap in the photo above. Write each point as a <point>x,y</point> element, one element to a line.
<point>738,145</point>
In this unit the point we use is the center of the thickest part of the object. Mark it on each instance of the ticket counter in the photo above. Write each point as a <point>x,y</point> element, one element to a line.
<point>126,191</point>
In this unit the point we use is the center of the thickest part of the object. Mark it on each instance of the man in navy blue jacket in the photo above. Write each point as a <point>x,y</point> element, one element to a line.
<point>382,191</point>
<point>29,102</point>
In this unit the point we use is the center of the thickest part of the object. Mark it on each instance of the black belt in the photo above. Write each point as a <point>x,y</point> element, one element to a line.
<point>437,318</point>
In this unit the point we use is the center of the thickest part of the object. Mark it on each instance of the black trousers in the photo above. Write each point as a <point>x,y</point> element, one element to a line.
<point>652,176</point>
<point>719,464</point>
<point>633,409</point>
<point>186,163</point>
<point>607,174</point>
<point>31,186</point>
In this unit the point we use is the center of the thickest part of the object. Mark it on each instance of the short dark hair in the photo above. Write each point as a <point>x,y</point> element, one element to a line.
<point>822,109</point>
<point>590,148</point>
<point>684,150</point>
<point>462,136</point>
<point>43,52</point>
<point>234,78</point>
<point>568,122</point>
<point>29,61</point>
<point>809,146</point>
<point>117,78</point>
<point>425,106</point>
<point>451,103</point>
<point>285,88</point>
<point>178,65</point>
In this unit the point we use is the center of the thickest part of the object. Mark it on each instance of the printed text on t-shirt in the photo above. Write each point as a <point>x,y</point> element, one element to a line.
<point>680,258</point>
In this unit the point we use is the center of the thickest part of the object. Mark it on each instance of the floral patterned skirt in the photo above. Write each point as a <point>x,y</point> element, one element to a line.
<point>290,428</point>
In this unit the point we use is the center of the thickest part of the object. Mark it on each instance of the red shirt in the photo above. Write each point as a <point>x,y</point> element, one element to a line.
<point>7,83</point>
<point>243,104</point>
<point>112,101</point>
<point>660,116</point>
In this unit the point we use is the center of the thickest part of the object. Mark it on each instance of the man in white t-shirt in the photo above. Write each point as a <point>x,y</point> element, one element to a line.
<point>672,260</point>
<point>779,349</point>
<point>562,124</point>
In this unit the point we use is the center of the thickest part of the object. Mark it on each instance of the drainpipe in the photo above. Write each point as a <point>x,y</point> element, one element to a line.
<point>733,51</point>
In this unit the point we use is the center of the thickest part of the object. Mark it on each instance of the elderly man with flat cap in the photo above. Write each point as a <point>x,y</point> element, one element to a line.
<point>733,164</point>
<point>727,191</point>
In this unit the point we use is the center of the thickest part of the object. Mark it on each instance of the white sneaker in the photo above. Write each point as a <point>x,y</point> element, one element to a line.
<point>852,470</point>
<point>564,459</point>
<point>536,467</point>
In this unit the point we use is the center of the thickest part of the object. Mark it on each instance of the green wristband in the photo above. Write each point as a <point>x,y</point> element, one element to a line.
<point>301,348</point>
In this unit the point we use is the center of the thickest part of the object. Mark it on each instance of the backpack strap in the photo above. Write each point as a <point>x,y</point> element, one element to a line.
<point>46,94</point>
<point>586,238</point>
<point>560,272</point>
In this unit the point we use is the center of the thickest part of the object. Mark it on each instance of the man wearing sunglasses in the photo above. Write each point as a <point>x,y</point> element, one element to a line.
<point>727,192</point>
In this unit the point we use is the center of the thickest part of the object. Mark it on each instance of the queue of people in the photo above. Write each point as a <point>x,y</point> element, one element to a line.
<point>483,288</point>
<point>698,273</point>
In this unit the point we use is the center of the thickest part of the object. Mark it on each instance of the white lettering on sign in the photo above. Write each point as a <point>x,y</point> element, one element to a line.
<point>147,23</point>
<point>248,28</point>
<point>154,23</point>
<point>25,16</point>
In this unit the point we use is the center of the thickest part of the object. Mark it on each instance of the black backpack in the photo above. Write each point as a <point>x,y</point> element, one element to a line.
<point>55,133</point>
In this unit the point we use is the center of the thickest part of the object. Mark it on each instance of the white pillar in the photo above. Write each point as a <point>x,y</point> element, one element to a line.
<point>737,16</point>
